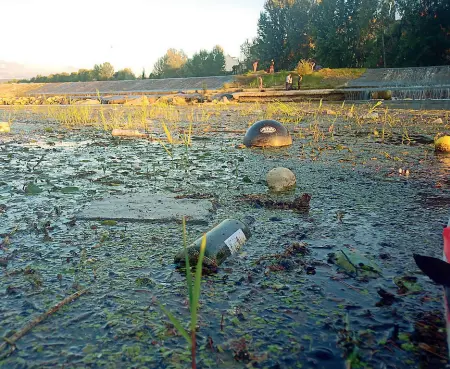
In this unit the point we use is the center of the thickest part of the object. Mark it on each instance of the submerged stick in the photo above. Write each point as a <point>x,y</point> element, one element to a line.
<point>28,327</point>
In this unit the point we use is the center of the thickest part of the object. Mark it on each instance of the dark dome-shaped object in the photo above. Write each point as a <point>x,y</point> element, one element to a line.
<point>267,133</point>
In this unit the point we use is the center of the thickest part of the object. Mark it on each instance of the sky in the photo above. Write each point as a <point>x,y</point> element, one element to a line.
<point>127,33</point>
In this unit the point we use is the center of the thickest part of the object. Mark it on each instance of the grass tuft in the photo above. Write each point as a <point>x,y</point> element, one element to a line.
<point>194,288</point>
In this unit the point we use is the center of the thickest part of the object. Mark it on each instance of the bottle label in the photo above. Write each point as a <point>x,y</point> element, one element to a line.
<point>235,241</point>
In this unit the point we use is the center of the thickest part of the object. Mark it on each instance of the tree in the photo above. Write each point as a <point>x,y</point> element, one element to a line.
<point>385,23</point>
<point>175,59</point>
<point>143,73</point>
<point>271,34</point>
<point>40,79</point>
<point>299,44</point>
<point>124,74</point>
<point>205,63</point>
<point>103,72</point>
<point>216,62</point>
<point>158,67</point>
<point>74,77</point>
<point>284,33</point>
<point>424,33</point>
<point>196,66</point>
<point>343,32</point>
<point>85,75</point>
<point>170,64</point>
<point>328,33</point>
<point>248,54</point>
<point>62,77</point>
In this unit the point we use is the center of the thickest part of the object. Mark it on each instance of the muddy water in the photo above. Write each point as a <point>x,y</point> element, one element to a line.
<point>307,314</point>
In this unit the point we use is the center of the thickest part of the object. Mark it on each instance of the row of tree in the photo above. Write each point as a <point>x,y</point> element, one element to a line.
<point>100,72</point>
<point>175,63</point>
<point>336,33</point>
<point>351,33</point>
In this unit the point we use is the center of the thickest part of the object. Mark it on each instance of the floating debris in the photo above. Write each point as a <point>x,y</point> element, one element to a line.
<point>355,264</point>
<point>300,204</point>
<point>224,240</point>
<point>267,133</point>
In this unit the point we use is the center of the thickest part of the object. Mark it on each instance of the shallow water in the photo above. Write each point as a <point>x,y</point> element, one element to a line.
<point>275,319</point>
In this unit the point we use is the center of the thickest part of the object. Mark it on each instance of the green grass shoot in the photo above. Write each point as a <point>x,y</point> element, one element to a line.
<point>167,132</point>
<point>194,288</point>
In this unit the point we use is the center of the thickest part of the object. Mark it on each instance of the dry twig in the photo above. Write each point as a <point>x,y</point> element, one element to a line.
<point>28,327</point>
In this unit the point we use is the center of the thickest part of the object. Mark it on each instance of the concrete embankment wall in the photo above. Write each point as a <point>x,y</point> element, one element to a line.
<point>401,83</point>
<point>403,77</point>
<point>136,86</point>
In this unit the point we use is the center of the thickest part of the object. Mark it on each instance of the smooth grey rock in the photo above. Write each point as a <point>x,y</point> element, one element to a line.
<point>280,179</point>
<point>147,207</point>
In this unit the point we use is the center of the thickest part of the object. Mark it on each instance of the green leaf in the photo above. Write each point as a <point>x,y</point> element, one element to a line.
<point>188,267</point>
<point>69,189</point>
<point>109,222</point>
<point>352,262</point>
<point>198,282</point>
<point>177,324</point>
<point>32,189</point>
<point>408,283</point>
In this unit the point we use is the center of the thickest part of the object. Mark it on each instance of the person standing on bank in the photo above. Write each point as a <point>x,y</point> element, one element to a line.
<point>289,82</point>
<point>260,81</point>
<point>255,66</point>
<point>299,81</point>
<point>272,67</point>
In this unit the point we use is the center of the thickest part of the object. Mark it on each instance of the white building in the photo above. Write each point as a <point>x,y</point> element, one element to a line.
<point>230,62</point>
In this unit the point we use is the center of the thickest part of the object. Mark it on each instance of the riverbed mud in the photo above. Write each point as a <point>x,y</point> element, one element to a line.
<point>282,302</point>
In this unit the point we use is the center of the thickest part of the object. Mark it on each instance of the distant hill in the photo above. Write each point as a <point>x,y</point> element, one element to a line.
<point>12,70</point>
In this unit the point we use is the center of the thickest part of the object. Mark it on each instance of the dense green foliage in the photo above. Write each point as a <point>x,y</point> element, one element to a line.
<point>351,33</point>
<point>170,64</point>
<point>176,64</point>
<point>100,72</point>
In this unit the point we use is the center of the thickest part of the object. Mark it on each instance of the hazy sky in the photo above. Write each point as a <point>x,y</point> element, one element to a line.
<point>127,33</point>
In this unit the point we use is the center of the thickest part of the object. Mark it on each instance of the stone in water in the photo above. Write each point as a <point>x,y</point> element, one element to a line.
<point>442,144</point>
<point>147,207</point>
<point>280,179</point>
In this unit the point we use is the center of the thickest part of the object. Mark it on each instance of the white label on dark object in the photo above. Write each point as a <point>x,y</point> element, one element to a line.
<point>235,241</point>
<point>268,129</point>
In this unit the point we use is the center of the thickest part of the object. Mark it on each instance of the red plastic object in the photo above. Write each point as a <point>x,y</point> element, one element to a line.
<point>446,235</point>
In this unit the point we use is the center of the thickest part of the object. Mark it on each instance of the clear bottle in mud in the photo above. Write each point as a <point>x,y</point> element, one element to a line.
<point>225,239</point>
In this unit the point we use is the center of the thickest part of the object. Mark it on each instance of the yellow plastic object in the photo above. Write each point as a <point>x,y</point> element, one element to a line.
<point>5,127</point>
<point>442,144</point>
